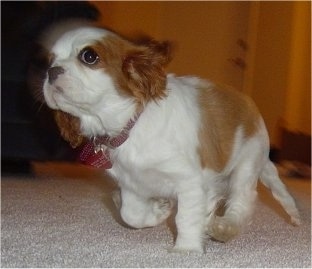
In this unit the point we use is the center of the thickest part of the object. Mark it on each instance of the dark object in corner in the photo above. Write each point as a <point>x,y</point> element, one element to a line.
<point>295,147</point>
<point>28,129</point>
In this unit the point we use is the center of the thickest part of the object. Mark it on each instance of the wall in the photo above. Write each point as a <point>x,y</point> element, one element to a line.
<point>297,113</point>
<point>129,17</point>
<point>279,78</point>
<point>204,33</point>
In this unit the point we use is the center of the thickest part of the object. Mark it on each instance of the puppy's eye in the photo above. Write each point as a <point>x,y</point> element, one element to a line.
<point>88,56</point>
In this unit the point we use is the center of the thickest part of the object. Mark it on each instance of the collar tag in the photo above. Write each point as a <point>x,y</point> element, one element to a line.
<point>96,152</point>
<point>96,157</point>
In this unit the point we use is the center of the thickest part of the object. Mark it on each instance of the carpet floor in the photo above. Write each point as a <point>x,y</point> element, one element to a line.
<point>63,216</point>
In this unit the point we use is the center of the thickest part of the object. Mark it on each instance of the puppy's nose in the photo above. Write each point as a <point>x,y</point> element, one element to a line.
<point>53,73</point>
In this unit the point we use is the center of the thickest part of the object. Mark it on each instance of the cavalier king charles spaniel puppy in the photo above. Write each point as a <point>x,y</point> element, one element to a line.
<point>167,140</point>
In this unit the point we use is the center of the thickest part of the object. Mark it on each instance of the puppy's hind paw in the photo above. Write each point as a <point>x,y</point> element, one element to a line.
<point>222,229</point>
<point>162,208</point>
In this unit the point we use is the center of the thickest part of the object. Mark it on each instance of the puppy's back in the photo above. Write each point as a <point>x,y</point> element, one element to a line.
<point>223,112</point>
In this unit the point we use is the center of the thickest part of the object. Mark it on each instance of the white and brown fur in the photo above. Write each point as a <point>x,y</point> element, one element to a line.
<point>195,142</point>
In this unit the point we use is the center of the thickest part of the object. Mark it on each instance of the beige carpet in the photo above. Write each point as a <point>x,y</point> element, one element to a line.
<point>63,217</point>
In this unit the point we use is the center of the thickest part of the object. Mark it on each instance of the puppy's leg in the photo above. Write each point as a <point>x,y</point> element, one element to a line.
<point>241,195</point>
<point>190,219</point>
<point>212,206</point>
<point>140,212</point>
<point>215,197</point>
<point>239,206</point>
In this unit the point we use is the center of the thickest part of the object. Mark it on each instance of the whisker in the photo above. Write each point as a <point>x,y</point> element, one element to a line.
<point>40,107</point>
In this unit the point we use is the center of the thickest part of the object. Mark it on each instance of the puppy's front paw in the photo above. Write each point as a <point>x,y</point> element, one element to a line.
<point>223,229</point>
<point>186,249</point>
<point>188,243</point>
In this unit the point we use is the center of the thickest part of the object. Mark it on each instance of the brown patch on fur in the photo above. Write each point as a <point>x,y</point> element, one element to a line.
<point>222,112</point>
<point>138,69</point>
<point>69,127</point>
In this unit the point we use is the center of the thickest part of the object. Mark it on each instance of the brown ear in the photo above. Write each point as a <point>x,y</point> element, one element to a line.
<point>144,69</point>
<point>69,127</point>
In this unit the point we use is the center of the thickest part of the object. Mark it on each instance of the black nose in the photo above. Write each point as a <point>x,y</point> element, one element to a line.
<point>53,73</point>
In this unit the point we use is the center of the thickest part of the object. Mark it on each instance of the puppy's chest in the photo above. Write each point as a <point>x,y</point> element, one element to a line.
<point>154,161</point>
<point>146,168</point>
<point>149,181</point>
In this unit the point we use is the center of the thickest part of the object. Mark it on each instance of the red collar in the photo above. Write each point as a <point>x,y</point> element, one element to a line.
<point>96,151</point>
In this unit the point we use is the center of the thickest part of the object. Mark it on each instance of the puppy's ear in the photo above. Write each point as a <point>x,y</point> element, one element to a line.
<point>144,69</point>
<point>69,127</point>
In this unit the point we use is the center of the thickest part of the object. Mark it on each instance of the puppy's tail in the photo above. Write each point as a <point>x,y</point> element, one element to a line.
<point>269,177</point>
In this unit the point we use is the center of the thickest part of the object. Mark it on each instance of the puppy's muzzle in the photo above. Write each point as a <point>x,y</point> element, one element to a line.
<point>54,72</point>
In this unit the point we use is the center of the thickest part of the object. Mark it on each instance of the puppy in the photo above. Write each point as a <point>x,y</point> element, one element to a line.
<point>163,138</point>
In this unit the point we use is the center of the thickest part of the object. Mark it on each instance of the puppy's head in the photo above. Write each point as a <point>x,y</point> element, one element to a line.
<point>93,71</point>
